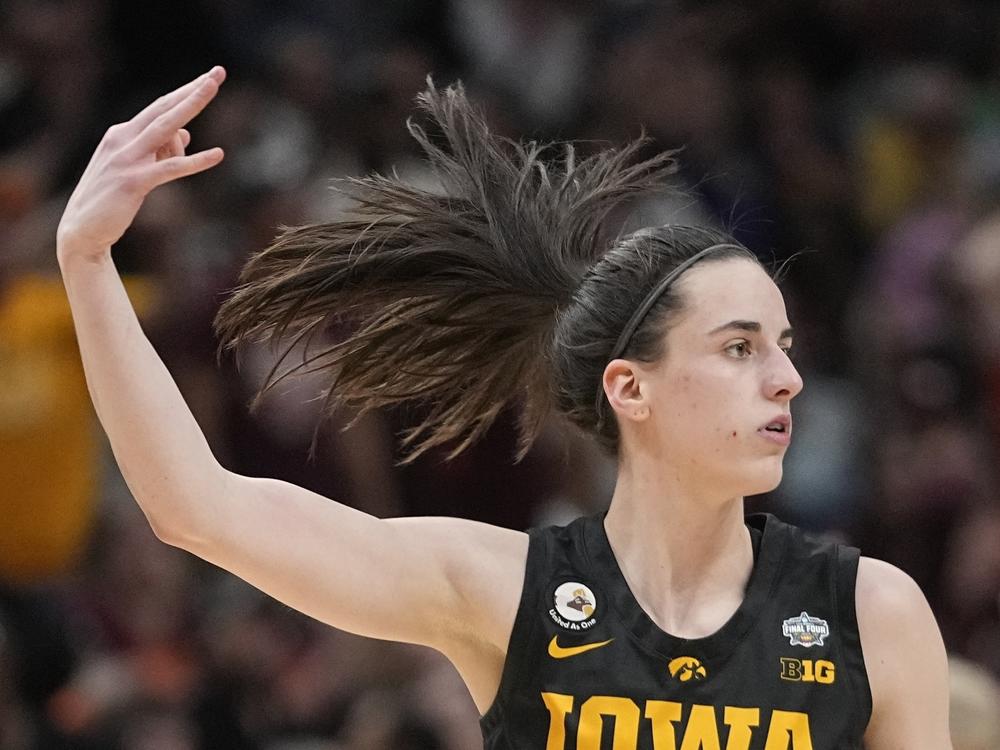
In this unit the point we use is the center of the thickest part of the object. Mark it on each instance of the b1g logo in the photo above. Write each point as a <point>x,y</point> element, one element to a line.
<point>806,670</point>
<point>574,606</point>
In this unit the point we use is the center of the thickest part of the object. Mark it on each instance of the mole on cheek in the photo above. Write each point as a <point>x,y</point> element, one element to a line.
<point>734,433</point>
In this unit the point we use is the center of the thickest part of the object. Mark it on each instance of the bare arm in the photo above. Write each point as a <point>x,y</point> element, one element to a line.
<point>156,441</point>
<point>401,579</point>
<point>162,453</point>
<point>905,659</point>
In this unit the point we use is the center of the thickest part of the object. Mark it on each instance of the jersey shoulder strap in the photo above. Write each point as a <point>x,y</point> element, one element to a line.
<point>847,560</point>
<point>552,551</point>
<point>829,568</point>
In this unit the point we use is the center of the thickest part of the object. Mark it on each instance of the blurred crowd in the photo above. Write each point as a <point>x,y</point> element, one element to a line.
<point>857,142</point>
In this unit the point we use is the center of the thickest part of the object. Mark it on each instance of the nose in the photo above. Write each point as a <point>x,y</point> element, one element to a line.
<point>784,381</point>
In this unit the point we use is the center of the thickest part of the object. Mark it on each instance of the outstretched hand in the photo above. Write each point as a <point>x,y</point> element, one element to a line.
<point>131,160</point>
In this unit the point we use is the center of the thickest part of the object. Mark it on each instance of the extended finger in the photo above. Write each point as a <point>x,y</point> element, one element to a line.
<point>182,166</point>
<point>167,101</point>
<point>167,123</point>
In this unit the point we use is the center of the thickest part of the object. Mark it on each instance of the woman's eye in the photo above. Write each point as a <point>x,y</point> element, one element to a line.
<point>742,348</point>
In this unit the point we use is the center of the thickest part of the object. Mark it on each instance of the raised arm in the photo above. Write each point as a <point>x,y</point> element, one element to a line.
<point>162,453</point>
<point>401,579</point>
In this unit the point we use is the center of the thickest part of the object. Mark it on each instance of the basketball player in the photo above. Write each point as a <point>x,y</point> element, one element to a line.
<point>671,621</point>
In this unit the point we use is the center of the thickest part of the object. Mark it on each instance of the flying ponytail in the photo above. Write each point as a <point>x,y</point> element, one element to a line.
<point>451,300</point>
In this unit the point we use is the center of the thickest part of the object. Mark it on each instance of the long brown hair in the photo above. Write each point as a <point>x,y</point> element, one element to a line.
<point>471,300</point>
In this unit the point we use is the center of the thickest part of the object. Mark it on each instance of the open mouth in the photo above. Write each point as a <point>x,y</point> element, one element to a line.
<point>777,432</point>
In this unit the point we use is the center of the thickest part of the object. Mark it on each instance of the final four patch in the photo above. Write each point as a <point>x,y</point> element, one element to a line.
<point>574,606</point>
<point>805,630</point>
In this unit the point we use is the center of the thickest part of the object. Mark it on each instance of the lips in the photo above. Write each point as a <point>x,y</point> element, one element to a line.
<point>780,424</point>
<point>778,430</point>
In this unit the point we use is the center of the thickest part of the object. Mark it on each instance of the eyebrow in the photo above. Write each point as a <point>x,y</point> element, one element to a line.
<point>747,325</point>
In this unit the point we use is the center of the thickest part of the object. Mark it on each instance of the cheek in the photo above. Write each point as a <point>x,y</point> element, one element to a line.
<point>703,401</point>
<point>725,436</point>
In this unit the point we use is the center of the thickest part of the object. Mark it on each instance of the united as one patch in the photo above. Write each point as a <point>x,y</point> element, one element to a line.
<point>573,606</point>
<point>804,630</point>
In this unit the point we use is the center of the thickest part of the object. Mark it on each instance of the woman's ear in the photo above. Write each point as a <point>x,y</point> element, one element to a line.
<point>624,389</point>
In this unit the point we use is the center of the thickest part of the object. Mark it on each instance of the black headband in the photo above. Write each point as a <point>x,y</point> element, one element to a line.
<point>640,313</point>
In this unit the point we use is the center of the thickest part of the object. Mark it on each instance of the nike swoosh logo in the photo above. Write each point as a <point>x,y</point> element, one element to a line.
<point>561,652</point>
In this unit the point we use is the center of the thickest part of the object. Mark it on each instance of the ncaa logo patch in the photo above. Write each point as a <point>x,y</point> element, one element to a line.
<point>574,606</point>
<point>804,630</point>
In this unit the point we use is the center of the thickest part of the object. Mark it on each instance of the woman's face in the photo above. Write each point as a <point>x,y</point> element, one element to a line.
<point>726,375</point>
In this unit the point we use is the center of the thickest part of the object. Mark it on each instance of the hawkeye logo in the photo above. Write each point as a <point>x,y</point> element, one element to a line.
<point>561,652</point>
<point>574,606</point>
<point>686,669</point>
<point>805,630</point>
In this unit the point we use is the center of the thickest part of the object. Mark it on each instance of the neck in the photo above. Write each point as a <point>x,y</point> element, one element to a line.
<point>684,550</point>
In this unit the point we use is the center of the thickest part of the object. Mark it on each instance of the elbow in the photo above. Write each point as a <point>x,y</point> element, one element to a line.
<point>168,530</point>
<point>165,533</point>
<point>182,536</point>
<point>186,521</point>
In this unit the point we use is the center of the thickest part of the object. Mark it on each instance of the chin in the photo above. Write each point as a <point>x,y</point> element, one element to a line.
<point>762,479</point>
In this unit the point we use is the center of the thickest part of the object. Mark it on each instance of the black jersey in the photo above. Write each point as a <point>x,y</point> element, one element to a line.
<point>587,669</point>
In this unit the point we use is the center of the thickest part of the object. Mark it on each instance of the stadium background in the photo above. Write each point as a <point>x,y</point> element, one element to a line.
<point>864,135</point>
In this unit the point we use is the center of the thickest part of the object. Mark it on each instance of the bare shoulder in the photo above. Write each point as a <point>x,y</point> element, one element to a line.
<point>484,563</point>
<point>882,584</point>
<point>905,659</point>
